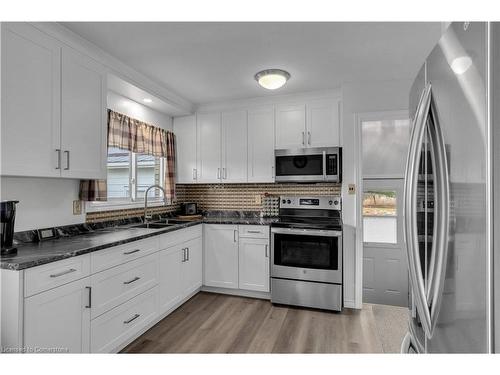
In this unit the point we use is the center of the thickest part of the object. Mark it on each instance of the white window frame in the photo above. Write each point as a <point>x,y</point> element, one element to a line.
<point>132,202</point>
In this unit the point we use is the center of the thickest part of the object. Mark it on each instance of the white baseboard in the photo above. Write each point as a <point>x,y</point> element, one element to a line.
<point>350,304</point>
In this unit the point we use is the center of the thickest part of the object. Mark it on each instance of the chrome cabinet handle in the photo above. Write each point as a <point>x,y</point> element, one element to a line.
<point>131,252</point>
<point>89,288</point>
<point>58,158</point>
<point>267,254</point>
<point>187,254</point>
<point>131,281</point>
<point>303,138</point>
<point>309,138</point>
<point>67,160</point>
<point>218,173</point>
<point>194,173</point>
<point>63,273</point>
<point>254,231</point>
<point>234,235</point>
<point>184,255</point>
<point>131,319</point>
<point>409,212</point>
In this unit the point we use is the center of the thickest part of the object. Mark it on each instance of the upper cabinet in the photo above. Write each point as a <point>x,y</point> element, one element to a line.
<point>261,144</point>
<point>31,102</point>
<point>314,124</point>
<point>185,137</point>
<point>53,108</point>
<point>209,147</point>
<point>234,146</point>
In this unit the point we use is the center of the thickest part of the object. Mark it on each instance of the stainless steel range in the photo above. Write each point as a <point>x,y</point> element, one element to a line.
<point>306,256</point>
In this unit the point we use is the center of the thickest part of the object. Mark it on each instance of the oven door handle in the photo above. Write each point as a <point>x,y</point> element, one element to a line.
<point>308,232</point>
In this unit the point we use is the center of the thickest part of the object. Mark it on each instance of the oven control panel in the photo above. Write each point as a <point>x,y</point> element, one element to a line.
<point>326,202</point>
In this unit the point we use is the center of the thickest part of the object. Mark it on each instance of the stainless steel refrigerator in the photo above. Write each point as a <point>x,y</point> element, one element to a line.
<point>448,200</point>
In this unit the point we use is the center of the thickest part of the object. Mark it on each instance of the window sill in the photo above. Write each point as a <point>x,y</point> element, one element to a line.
<point>113,206</point>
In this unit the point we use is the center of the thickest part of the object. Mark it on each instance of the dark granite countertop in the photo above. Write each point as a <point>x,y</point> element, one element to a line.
<point>31,254</point>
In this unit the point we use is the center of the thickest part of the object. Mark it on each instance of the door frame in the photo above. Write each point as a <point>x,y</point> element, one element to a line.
<point>358,119</point>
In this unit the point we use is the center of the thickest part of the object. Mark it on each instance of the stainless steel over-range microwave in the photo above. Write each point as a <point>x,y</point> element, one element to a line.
<point>322,164</point>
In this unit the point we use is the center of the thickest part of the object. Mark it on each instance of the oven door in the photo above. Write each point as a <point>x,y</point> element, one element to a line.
<point>305,254</point>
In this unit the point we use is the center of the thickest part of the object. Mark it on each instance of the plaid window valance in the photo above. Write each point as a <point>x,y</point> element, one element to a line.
<point>136,136</point>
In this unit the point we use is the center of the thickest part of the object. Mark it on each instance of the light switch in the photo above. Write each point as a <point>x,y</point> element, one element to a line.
<point>258,199</point>
<point>351,189</point>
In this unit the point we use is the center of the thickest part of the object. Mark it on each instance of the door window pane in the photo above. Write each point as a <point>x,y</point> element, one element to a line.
<point>119,163</point>
<point>380,216</point>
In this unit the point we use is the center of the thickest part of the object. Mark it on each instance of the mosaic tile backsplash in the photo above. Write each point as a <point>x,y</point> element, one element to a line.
<point>226,197</point>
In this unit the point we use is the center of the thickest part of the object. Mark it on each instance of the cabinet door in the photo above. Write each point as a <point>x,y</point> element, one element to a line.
<point>83,117</point>
<point>254,264</point>
<point>261,145</point>
<point>170,278</point>
<point>59,318</point>
<point>234,146</point>
<point>31,63</point>
<point>221,255</point>
<point>323,123</point>
<point>192,268</point>
<point>290,126</point>
<point>209,147</point>
<point>185,137</point>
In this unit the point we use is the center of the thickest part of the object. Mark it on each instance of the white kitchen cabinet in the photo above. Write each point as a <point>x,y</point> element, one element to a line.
<point>254,264</point>
<point>323,123</point>
<point>234,147</point>
<point>185,137</point>
<point>83,117</point>
<point>314,124</point>
<point>290,126</point>
<point>209,147</point>
<point>261,144</point>
<point>53,108</point>
<point>170,278</point>
<point>59,318</point>
<point>221,255</point>
<point>31,64</point>
<point>192,267</point>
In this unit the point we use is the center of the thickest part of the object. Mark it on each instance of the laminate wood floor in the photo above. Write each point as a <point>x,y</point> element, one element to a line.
<point>216,323</point>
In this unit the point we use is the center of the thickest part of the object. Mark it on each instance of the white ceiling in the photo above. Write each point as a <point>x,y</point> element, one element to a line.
<point>210,62</point>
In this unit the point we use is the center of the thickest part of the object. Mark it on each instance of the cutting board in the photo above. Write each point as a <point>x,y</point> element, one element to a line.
<point>189,217</point>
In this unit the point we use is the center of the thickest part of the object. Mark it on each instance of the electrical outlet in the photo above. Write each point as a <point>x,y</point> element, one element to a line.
<point>258,199</point>
<point>351,189</point>
<point>77,207</point>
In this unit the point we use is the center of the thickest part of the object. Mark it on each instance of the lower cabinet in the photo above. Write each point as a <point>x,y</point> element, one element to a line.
<point>221,255</point>
<point>254,264</point>
<point>59,319</point>
<point>192,267</point>
<point>237,256</point>
<point>110,330</point>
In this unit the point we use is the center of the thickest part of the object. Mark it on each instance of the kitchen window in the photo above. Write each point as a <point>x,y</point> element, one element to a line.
<point>130,174</point>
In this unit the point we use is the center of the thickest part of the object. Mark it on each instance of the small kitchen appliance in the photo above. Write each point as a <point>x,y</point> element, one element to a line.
<point>7,219</point>
<point>189,208</point>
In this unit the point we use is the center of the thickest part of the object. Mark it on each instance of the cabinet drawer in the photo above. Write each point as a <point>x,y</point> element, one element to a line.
<point>119,284</point>
<point>48,276</point>
<point>111,330</point>
<point>116,255</point>
<point>182,235</point>
<point>254,231</point>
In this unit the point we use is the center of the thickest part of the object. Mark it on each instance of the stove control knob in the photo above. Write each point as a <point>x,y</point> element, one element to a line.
<point>283,201</point>
<point>330,202</point>
<point>336,203</point>
<point>289,201</point>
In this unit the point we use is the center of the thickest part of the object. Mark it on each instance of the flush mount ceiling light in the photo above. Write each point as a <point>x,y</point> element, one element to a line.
<point>272,79</point>
<point>147,100</point>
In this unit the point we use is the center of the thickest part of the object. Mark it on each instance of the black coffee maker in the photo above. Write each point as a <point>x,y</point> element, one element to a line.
<point>7,218</point>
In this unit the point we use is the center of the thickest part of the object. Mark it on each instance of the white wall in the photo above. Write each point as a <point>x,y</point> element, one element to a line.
<point>43,202</point>
<point>361,98</point>
<point>48,202</point>
<point>128,107</point>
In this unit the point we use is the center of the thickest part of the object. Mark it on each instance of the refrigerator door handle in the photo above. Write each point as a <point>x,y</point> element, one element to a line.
<point>410,203</point>
<point>441,212</point>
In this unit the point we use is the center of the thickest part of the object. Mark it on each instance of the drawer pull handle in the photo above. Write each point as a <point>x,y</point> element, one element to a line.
<point>254,231</point>
<point>131,252</point>
<point>132,319</point>
<point>89,288</point>
<point>131,281</point>
<point>63,273</point>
